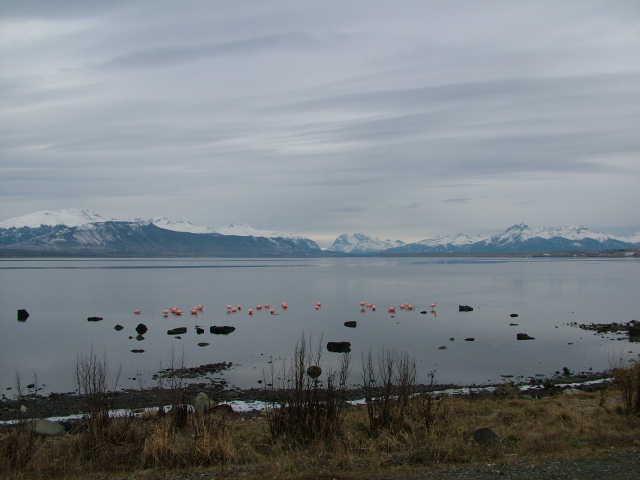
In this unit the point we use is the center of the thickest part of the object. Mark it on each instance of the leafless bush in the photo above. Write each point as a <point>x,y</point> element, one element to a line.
<point>94,381</point>
<point>388,387</point>
<point>628,381</point>
<point>305,408</point>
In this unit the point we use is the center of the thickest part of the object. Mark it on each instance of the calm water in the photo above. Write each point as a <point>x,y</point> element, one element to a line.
<point>547,293</point>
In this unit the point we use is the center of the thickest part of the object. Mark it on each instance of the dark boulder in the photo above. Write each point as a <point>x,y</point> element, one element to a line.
<point>486,436</point>
<point>524,336</point>
<point>137,350</point>
<point>339,347</point>
<point>423,312</point>
<point>94,319</point>
<point>118,327</point>
<point>199,330</point>
<point>314,371</point>
<point>514,315</point>
<point>141,329</point>
<point>177,331</point>
<point>465,308</point>
<point>222,330</point>
<point>442,347</point>
<point>22,315</point>
<point>514,324</point>
<point>351,324</point>
<point>469,339</point>
<point>139,337</point>
<point>203,344</point>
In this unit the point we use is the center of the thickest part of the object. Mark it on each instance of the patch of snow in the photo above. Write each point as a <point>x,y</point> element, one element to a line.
<point>244,230</point>
<point>457,240</point>
<point>182,225</point>
<point>70,217</point>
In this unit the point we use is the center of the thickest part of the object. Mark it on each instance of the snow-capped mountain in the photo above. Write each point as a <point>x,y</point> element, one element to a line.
<point>82,232</point>
<point>70,217</point>
<point>521,238</point>
<point>182,225</point>
<point>361,243</point>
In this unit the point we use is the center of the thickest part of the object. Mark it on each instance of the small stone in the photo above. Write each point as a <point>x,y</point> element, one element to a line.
<point>442,347</point>
<point>222,330</point>
<point>201,403</point>
<point>94,319</point>
<point>524,336</point>
<point>339,347</point>
<point>118,327</point>
<point>465,308</point>
<point>22,315</point>
<point>203,344</point>
<point>469,339</point>
<point>137,350</point>
<point>177,331</point>
<point>486,436</point>
<point>514,315</point>
<point>46,427</point>
<point>314,371</point>
<point>141,329</point>
<point>351,324</point>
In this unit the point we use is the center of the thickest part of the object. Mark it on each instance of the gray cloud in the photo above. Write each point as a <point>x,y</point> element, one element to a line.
<point>319,118</point>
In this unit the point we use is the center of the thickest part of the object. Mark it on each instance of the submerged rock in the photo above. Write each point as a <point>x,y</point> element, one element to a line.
<point>314,371</point>
<point>514,315</point>
<point>46,427</point>
<point>141,329</point>
<point>94,319</point>
<point>22,315</point>
<point>199,330</point>
<point>351,324</point>
<point>442,347</point>
<point>203,344</point>
<point>423,312</point>
<point>465,308</point>
<point>177,331</point>
<point>486,436</point>
<point>118,327</point>
<point>222,330</point>
<point>524,336</point>
<point>339,347</point>
<point>137,350</point>
<point>139,337</point>
<point>469,339</point>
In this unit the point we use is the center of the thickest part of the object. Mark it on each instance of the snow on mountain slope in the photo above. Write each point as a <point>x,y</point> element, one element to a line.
<point>245,230</point>
<point>361,243</point>
<point>457,240</point>
<point>182,225</point>
<point>71,217</point>
<point>523,232</point>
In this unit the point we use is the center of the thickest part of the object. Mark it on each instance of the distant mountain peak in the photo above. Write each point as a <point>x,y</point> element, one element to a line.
<point>362,243</point>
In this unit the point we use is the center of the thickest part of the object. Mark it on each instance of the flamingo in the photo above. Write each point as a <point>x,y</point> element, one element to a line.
<point>250,311</point>
<point>137,311</point>
<point>284,305</point>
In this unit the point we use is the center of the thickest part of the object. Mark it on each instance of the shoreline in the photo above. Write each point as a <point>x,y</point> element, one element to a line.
<point>70,407</point>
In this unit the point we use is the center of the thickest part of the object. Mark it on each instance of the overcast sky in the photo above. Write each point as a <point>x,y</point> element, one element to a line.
<point>400,119</point>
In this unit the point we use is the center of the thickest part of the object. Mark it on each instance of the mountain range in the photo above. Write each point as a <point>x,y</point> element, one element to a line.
<point>83,232</point>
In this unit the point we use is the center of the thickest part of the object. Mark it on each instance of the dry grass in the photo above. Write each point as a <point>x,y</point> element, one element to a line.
<point>558,425</point>
<point>314,433</point>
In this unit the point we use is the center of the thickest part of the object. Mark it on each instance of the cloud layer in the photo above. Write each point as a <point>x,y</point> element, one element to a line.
<point>399,119</point>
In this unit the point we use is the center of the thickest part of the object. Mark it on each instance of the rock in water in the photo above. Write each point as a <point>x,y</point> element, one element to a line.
<point>201,403</point>
<point>314,371</point>
<point>486,436</point>
<point>199,330</point>
<point>94,319</point>
<point>339,347</point>
<point>22,315</point>
<point>465,308</point>
<point>118,327</point>
<point>203,344</point>
<point>514,315</point>
<point>137,350</point>
<point>141,328</point>
<point>222,330</point>
<point>351,324</point>
<point>524,336</point>
<point>177,331</point>
<point>469,339</point>
<point>46,427</point>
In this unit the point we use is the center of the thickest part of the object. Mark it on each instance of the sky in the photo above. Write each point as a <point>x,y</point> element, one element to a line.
<point>400,119</point>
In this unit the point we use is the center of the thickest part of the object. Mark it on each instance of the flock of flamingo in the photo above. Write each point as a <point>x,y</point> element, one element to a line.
<point>365,307</point>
